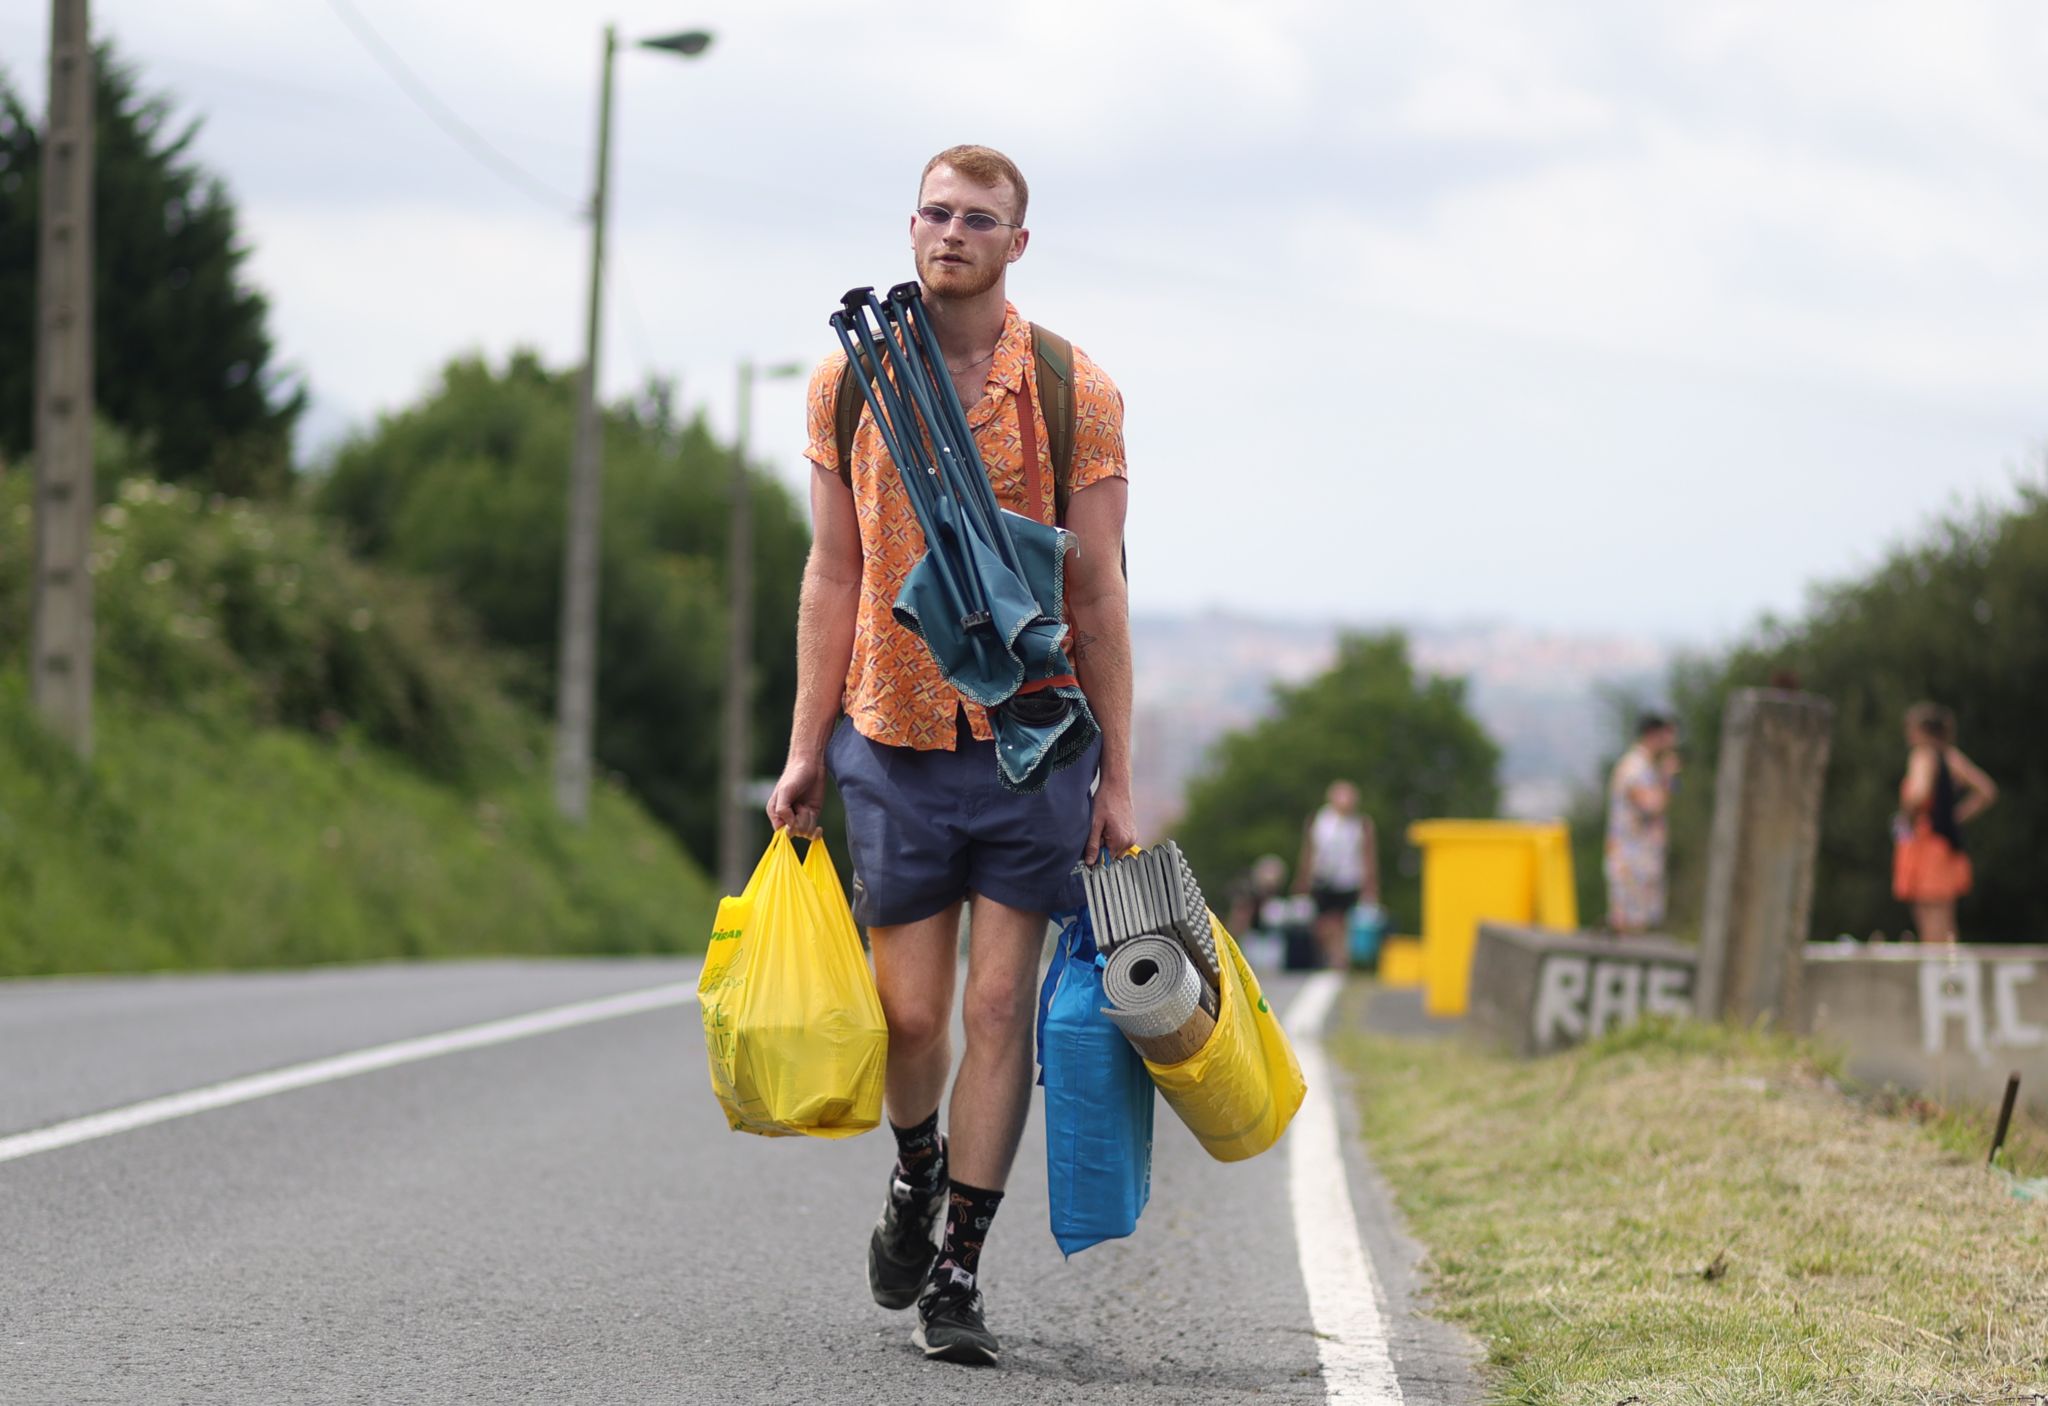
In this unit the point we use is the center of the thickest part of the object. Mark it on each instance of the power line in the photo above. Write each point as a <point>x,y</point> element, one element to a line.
<point>446,118</point>
<point>636,330</point>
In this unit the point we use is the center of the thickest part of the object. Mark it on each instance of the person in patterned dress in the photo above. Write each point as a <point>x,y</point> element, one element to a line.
<point>1638,801</point>
<point>930,825</point>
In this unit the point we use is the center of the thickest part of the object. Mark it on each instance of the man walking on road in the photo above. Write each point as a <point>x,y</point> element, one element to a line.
<point>930,823</point>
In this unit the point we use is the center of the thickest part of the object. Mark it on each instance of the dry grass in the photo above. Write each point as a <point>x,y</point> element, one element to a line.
<point>1684,1214</point>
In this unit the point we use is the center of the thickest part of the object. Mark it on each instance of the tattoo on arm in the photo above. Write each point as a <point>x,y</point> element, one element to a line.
<point>1082,643</point>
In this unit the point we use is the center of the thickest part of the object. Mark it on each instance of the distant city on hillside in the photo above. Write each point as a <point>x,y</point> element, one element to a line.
<point>1548,698</point>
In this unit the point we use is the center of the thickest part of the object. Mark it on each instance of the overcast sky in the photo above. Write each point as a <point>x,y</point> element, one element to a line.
<point>1624,315</point>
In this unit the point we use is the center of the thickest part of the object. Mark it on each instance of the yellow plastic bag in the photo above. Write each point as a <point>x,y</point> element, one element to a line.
<point>792,1025</point>
<point>1237,1093</point>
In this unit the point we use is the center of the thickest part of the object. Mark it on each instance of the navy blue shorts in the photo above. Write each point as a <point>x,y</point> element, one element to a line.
<point>929,828</point>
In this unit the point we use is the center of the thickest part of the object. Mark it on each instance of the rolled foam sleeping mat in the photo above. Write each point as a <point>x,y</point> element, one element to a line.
<point>1151,985</point>
<point>1156,999</point>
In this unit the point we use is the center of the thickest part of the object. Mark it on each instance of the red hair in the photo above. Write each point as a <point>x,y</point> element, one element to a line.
<point>983,165</point>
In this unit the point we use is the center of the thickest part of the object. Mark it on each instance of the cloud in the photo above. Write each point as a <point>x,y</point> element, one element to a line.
<point>1451,283</point>
<point>374,306</point>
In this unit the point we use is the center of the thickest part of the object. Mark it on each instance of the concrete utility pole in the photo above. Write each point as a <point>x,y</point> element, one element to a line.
<point>576,662</point>
<point>576,669</point>
<point>739,658</point>
<point>60,622</point>
<point>1768,787</point>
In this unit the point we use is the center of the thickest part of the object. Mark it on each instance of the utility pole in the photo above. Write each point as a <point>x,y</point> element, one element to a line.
<point>576,668</point>
<point>736,809</point>
<point>60,623</point>
<point>576,653</point>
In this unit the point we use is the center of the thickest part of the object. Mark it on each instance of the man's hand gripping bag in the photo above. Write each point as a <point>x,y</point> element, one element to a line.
<point>792,1025</point>
<point>1237,1093</point>
<point>1098,1102</point>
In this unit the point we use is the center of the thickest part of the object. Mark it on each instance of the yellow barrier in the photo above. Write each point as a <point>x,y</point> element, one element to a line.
<point>1401,962</point>
<point>1477,870</point>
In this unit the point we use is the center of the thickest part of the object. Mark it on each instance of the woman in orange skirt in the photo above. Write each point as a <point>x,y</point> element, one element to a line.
<point>1929,869</point>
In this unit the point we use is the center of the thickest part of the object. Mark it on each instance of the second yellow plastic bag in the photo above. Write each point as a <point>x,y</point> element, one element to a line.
<point>1237,1093</point>
<point>792,1025</point>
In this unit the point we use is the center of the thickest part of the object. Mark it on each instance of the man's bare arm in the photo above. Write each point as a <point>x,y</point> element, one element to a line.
<point>1306,865</point>
<point>1098,609</point>
<point>824,648</point>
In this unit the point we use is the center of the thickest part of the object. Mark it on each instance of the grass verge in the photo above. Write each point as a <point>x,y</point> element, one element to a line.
<point>190,844</point>
<point>1688,1214</point>
<point>300,758</point>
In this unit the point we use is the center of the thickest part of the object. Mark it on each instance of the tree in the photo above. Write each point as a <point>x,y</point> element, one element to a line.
<point>1960,617</point>
<point>1407,741</point>
<point>182,352</point>
<point>470,487</point>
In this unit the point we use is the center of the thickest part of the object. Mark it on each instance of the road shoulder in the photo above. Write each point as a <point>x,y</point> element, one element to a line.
<point>1437,1363</point>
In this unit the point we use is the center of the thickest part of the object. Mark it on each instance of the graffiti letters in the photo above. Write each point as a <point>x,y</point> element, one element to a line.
<point>1983,999</point>
<point>1578,997</point>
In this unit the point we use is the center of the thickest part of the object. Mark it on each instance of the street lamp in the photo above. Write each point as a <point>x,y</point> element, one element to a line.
<point>735,806</point>
<point>576,667</point>
<point>689,43</point>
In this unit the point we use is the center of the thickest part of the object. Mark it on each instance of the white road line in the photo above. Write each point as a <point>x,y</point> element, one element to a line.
<point>324,1071</point>
<point>1344,1297</point>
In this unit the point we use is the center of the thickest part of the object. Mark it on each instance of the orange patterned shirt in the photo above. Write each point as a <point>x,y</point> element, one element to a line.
<point>894,692</point>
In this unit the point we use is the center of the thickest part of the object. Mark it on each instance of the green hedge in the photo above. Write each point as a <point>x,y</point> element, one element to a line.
<point>299,759</point>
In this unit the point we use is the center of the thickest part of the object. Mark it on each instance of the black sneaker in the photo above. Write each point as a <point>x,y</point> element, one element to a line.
<point>904,1244</point>
<point>949,1326</point>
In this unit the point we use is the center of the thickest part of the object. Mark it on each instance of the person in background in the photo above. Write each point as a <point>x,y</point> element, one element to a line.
<point>1339,867</point>
<point>1929,869</point>
<point>1638,801</point>
<point>1266,879</point>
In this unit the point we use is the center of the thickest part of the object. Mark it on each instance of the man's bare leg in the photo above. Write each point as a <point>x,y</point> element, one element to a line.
<point>1333,935</point>
<point>914,976</point>
<point>992,1094</point>
<point>914,965</point>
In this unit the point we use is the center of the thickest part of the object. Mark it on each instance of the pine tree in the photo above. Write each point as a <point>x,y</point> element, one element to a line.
<point>181,347</point>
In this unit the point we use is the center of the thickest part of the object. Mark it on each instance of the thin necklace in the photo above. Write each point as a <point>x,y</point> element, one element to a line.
<point>966,367</point>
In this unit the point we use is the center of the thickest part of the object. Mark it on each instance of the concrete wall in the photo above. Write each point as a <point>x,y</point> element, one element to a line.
<point>1950,1022</point>
<point>1535,991</point>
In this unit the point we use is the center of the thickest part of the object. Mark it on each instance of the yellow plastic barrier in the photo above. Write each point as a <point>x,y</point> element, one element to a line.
<point>1401,962</point>
<point>1478,870</point>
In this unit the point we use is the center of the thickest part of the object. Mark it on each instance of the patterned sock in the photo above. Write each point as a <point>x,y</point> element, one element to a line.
<point>968,1213</point>
<point>921,1154</point>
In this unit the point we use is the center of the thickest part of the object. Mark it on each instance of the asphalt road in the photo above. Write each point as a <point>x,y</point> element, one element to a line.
<point>565,1218</point>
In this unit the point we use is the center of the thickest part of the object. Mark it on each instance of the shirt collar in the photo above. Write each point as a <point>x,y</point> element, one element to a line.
<point>1013,349</point>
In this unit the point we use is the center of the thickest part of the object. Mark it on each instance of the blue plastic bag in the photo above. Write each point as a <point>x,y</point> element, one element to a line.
<point>1098,1102</point>
<point>1368,926</point>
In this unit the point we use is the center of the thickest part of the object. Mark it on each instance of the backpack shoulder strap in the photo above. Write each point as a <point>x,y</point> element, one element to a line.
<point>845,420</point>
<point>1056,389</point>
